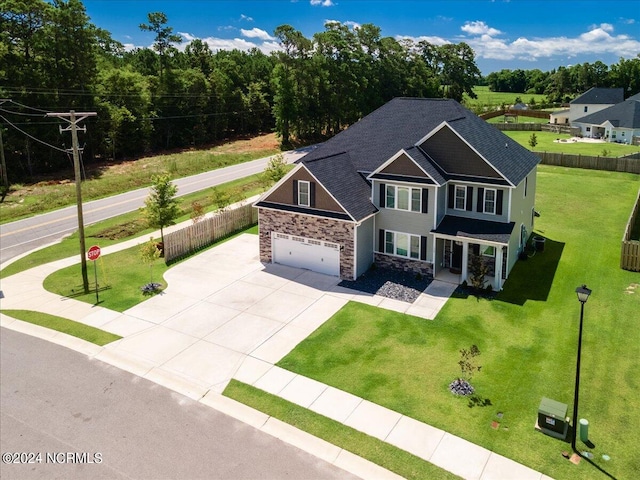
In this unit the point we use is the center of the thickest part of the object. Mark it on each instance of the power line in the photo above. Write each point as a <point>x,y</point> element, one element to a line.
<point>32,137</point>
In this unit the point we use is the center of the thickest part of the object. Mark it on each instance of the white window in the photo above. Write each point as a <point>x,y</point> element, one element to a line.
<point>490,201</point>
<point>402,244</point>
<point>404,198</point>
<point>461,198</point>
<point>487,250</point>
<point>303,193</point>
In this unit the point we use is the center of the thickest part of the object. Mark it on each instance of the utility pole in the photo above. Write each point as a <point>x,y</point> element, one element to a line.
<point>74,118</point>
<point>3,163</point>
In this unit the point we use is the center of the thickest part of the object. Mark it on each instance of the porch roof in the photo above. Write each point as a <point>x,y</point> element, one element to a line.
<point>481,230</point>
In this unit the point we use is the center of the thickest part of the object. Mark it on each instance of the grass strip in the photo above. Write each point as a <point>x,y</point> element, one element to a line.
<point>76,329</point>
<point>387,456</point>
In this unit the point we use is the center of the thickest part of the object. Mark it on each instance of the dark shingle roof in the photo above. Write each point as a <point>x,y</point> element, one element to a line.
<point>401,124</point>
<point>600,96</point>
<point>478,229</point>
<point>622,115</point>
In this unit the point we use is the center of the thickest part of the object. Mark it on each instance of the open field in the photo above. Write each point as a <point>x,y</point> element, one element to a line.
<point>527,337</point>
<point>111,178</point>
<point>488,98</point>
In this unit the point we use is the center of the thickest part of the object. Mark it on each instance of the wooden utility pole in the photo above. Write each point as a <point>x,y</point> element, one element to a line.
<point>74,118</point>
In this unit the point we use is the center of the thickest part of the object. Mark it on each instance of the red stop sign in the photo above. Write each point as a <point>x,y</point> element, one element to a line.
<point>93,253</point>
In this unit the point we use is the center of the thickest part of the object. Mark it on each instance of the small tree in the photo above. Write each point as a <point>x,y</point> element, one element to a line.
<point>468,366</point>
<point>197,211</point>
<point>275,170</point>
<point>478,270</point>
<point>149,253</point>
<point>161,206</point>
<point>221,198</point>
<point>533,140</point>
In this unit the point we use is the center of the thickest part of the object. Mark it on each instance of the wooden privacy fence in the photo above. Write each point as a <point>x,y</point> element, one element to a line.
<point>630,251</point>
<point>613,164</point>
<point>199,235</point>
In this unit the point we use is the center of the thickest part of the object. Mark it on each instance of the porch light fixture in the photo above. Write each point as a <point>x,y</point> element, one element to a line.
<point>583,295</point>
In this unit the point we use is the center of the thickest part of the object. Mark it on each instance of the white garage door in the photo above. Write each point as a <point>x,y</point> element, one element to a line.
<point>300,252</point>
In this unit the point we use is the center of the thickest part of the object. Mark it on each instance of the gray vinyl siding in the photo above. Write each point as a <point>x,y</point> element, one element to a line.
<point>442,203</point>
<point>364,257</point>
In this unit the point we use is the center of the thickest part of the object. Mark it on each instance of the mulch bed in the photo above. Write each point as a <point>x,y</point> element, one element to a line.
<point>398,285</point>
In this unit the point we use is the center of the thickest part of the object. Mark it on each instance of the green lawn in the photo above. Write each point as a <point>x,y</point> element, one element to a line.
<point>488,98</point>
<point>546,143</point>
<point>80,330</point>
<point>381,453</point>
<point>527,336</point>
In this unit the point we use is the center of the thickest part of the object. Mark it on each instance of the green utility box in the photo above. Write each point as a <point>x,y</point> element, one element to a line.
<point>552,418</point>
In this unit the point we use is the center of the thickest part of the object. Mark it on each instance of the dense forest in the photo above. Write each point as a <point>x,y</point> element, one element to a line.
<point>53,59</point>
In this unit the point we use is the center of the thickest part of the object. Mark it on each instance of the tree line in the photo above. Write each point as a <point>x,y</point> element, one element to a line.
<point>53,59</point>
<point>564,83</point>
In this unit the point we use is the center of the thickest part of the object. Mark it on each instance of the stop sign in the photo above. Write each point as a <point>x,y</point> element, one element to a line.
<point>93,253</point>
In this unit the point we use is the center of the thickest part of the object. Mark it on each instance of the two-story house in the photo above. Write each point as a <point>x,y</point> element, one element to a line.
<point>419,184</point>
<point>591,101</point>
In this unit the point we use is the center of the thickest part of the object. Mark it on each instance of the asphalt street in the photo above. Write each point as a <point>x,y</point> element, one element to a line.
<point>25,235</point>
<point>87,419</point>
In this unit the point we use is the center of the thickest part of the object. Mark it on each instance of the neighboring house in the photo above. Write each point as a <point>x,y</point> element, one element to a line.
<point>594,100</point>
<point>618,123</point>
<point>560,117</point>
<point>419,185</point>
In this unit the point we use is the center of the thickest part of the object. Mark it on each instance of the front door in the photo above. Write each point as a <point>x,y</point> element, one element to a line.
<point>456,258</point>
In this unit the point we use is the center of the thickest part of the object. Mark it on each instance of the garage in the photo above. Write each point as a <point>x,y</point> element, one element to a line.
<point>308,253</point>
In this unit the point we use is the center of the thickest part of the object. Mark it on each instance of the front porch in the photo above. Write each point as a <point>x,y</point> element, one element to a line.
<point>459,241</point>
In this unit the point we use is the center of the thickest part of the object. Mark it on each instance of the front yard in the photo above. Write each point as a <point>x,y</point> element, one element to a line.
<point>527,337</point>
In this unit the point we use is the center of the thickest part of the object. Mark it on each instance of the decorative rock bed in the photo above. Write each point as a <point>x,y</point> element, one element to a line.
<point>461,387</point>
<point>398,285</point>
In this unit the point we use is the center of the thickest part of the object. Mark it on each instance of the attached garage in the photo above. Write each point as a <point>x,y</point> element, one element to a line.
<point>300,252</point>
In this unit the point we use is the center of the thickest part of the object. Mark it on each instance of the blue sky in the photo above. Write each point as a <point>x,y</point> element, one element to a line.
<point>509,34</point>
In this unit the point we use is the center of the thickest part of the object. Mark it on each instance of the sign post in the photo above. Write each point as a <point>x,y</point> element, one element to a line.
<point>93,254</point>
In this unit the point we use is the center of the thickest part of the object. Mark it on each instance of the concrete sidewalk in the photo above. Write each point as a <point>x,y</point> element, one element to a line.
<point>225,315</point>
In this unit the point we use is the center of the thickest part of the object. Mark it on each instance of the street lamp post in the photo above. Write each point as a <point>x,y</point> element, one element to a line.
<point>583,295</point>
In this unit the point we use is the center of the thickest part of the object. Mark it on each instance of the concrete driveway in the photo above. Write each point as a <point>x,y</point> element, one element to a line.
<point>223,308</point>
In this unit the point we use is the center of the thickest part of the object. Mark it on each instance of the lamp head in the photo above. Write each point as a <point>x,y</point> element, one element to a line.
<point>583,293</point>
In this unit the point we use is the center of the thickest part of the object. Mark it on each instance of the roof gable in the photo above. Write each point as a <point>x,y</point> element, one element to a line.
<point>454,155</point>
<point>600,96</point>
<point>402,164</point>
<point>623,115</point>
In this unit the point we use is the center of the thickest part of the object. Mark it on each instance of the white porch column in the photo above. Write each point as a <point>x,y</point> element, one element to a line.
<point>465,257</point>
<point>497,279</point>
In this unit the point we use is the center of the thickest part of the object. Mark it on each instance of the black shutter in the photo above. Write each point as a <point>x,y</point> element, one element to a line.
<point>423,248</point>
<point>476,249</point>
<point>425,200</point>
<point>452,195</point>
<point>312,194</point>
<point>295,192</point>
<point>480,206</point>
<point>499,199</point>
<point>381,241</point>
<point>383,195</point>
<point>469,198</point>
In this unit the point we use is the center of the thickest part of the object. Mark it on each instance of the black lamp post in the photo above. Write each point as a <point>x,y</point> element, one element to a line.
<point>583,295</point>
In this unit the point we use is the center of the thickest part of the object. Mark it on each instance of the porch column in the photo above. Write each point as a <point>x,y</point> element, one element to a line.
<point>497,280</point>
<point>465,261</point>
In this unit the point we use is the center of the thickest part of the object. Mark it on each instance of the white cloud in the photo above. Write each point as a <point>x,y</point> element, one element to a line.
<point>246,18</point>
<point>628,21</point>
<point>256,33</point>
<point>598,40</point>
<point>432,40</point>
<point>479,28</point>
<point>322,3</point>
<point>216,44</point>
<point>348,23</point>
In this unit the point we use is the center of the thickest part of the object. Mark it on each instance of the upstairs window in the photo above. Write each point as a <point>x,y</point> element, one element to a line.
<point>303,193</point>
<point>404,198</point>
<point>585,109</point>
<point>461,198</point>
<point>490,201</point>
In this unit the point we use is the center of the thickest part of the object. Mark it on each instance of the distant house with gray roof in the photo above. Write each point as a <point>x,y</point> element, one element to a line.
<point>419,185</point>
<point>618,123</point>
<point>594,100</point>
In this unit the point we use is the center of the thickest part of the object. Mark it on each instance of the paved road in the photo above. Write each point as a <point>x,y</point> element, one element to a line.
<point>25,235</point>
<point>58,401</point>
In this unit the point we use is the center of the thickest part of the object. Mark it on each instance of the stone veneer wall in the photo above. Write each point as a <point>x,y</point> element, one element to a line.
<point>404,264</point>
<point>320,228</point>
